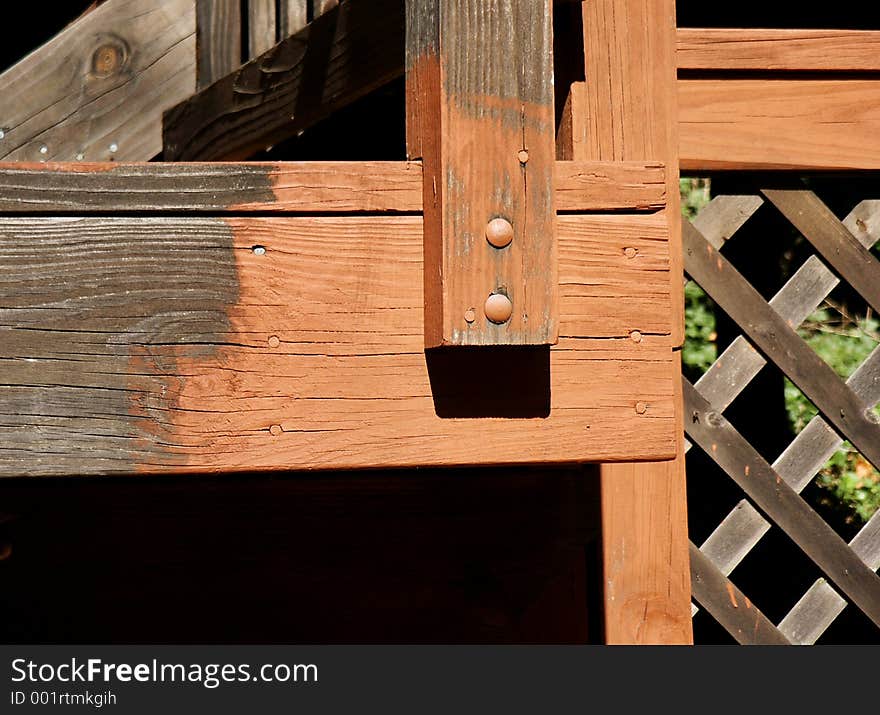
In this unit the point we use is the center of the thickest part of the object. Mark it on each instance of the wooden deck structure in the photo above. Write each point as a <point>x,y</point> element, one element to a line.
<point>504,304</point>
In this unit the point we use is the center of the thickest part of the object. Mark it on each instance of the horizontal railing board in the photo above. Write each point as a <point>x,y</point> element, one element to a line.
<point>784,124</point>
<point>701,48</point>
<point>305,187</point>
<point>160,344</point>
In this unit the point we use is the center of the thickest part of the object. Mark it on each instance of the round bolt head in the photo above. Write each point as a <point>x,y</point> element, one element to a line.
<point>470,315</point>
<point>499,232</point>
<point>498,308</point>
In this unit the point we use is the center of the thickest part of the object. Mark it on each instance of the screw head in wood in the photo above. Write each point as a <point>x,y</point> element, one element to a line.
<point>635,336</point>
<point>258,250</point>
<point>630,252</point>
<point>499,232</point>
<point>275,430</point>
<point>470,315</point>
<point>641,408</point>
<point>523,156</point>
<point>274,341</point>
<point>498,308</point>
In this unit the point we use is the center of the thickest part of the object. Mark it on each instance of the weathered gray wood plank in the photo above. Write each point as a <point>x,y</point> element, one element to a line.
<point>816,610</point>
<point>730,606</point>
<point>719,439</point>
<point>774,336</point>
<point>831,239</point>
<point>293,17</point>
<point>330,63</point>
<point>96,91</point>
<point>218,39</point>
<point>740,530</point>
<point>261,26</point>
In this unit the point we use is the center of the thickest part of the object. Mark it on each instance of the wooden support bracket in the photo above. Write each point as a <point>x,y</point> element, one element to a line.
<point>480,115</point>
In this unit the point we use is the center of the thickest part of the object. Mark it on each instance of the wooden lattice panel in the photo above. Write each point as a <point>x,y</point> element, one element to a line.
<point>772,490</point>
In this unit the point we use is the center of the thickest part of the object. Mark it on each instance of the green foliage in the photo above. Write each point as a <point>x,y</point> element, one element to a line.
<point>698,351</point>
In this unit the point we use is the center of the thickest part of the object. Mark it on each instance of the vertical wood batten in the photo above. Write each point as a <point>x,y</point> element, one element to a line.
<point>261,26</point>
<point>218,40</point>
<point>627,111</point>
<point>487,143</point>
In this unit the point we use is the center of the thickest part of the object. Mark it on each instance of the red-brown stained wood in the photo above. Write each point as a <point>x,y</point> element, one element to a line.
<point>309,187</point>
<point>170,344</point>
<point>487,142</point>
<point>807,124</point>
<point>701,48</point>
<point>628,112</point>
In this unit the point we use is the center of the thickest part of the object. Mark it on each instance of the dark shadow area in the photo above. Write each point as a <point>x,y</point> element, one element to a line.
<point>490,381</point>
<point>427,556</point>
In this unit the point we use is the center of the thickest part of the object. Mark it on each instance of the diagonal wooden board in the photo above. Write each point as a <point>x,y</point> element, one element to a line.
<point>144,343</point>
<point>97,90</point>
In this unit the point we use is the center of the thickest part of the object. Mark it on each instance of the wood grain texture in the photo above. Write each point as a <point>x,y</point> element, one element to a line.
<point>328,64</point>
<point>168,344</point>
<point>293,16</point>
<point>730,606</point>
<point>807,124</point>
<point>261,26</point>
<point>701,48</point>
<point>719,439</point>
<point>487,143</point>
<point>218,39</point>
<point>626,111</point>
<point>98,89</point>
<point>291,187</point>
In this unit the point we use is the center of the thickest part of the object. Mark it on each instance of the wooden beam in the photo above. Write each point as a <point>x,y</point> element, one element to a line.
<point>218,39</point>
<point>328,64</point>
<point>291,187</point>
<point>629,115</point>
<point>97,90</point>
<point>793,124</point>
<point>200,344</point>
<point>487,144</point>
<point>701,48</point>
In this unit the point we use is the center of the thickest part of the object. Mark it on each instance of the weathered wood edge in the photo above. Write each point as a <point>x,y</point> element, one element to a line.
<point>308,187</point>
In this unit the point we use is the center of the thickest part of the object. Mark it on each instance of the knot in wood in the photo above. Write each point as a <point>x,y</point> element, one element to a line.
<point>109,58</point>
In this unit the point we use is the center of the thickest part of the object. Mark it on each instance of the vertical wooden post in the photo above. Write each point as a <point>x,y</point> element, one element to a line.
<point>480,116</point>
<point>626,110</point>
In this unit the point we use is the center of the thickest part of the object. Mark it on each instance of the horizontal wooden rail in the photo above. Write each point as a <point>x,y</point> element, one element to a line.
<point>815,124</point>
<point>785,49</point>
<point>181,343</point>
<point>308,187</point>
